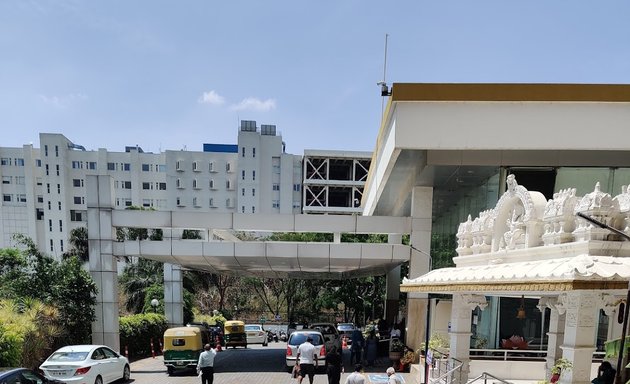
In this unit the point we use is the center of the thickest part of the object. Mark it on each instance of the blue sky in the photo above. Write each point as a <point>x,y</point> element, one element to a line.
<point>169,75</point>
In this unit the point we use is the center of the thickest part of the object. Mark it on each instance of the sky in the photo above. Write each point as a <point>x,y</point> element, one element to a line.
<point>177,74</point>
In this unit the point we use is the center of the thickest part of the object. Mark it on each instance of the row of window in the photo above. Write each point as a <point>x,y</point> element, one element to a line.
<point>151,167</point>
<point>18,161</point>
<point>77,164</point>
<point>56,150</point>
<point>10,198</point>
<point>229,203</point>
<point>196,166</point>
<point>19,180</point>
<point>243,175</point>
<point>243,152</point>
<point>52,247</point>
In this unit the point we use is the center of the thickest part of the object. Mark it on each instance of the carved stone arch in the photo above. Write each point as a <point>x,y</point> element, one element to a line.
<point>516,206</point>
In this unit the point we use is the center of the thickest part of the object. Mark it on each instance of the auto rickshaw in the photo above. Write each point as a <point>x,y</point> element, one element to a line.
<point>234,334</point>
<point>182,346</point>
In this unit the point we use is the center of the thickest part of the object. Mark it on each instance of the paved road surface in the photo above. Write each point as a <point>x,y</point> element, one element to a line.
<point>254,365</point>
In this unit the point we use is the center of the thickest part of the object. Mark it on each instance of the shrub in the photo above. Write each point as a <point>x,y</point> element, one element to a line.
<point>10,348</point>
<point>136,332</point>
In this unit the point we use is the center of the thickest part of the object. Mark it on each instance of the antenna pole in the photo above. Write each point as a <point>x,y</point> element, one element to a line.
<point>385,58</point>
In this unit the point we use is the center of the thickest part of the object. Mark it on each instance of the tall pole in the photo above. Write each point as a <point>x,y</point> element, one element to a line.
<point>427,365</point>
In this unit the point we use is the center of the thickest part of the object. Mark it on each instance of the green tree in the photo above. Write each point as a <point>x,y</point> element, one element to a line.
<point>135,280</point>
<point>78,244</point>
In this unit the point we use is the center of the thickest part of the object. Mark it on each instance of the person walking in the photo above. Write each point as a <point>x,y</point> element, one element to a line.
<point>371,348</point>
<point>205,365</point>
<point>307,358</point>
<point>356,377</point>
<point>334,365</point>
<point>391,376</point>
<point>357,346</point>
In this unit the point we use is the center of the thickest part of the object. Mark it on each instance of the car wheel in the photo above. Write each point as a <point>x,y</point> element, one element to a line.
<point>98,380</point>
<point>170,370</point>
<point>126,373</point>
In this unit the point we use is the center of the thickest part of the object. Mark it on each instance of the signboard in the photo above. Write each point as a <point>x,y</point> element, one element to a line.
<point>382,378</point>
<point>263,319</point>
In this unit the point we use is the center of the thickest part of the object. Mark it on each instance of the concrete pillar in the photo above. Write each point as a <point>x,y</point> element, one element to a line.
<point>580,332</point>
<point>173,295</point>
<point>419,264</point>
<point>102,264</point>
<point>392,288</point>
<point>336,237</point>
<point>555,335</point>
<point>461,317</point>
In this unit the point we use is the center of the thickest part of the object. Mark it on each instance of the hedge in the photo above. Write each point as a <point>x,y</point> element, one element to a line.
<point>137,331</point>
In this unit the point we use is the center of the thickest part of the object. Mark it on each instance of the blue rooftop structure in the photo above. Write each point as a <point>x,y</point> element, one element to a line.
<point>225,148</point>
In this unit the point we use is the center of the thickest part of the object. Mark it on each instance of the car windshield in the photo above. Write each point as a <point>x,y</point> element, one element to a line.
<point>299,338</point>
<point>68,356</point>
<point>346,327</point>
<point>252,328</point>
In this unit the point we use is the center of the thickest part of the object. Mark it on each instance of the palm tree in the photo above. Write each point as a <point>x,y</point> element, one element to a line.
<point>136,278</point>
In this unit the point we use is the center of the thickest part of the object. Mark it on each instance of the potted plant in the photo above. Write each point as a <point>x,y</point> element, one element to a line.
<point>396,348</point>
<point>560,365</point>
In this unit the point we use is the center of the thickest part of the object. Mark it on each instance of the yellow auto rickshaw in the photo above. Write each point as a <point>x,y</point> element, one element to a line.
<point>182,346</point>
<point>234,334</point>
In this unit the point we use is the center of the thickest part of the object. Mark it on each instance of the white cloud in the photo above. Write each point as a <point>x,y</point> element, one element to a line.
<point>254,104</point>
<point>63,101</point>
<point>211,98</point>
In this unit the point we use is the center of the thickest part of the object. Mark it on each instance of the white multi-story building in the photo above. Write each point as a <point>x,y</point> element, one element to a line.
<point>43,189</point>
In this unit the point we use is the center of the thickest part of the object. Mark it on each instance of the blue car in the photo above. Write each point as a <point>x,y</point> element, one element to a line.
<point>23,375</point>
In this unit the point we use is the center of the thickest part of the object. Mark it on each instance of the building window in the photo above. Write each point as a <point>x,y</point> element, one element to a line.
<point>228,184</point>
<point>243,175</point>
<point>6,179</point>
<point>6,198</point>
<point>111,166</point>
<point>178,201</point>
<point>228,203</point>
<point>126,166</point>
<point>39,214</point>
<point>296,187</point>
<point>48,187</point>
<point>19,162</point>
<point>92,165</point>
<point>253,175</point>
<point>178,166</point>
<point>77,164</point>
<point>57,167</point>
<point>21,198</point>
<point>146,202</point>
<point>228,167</point>
<point>38,162</point>
<point>194,201</point>
<point>20,180</point>
<point>77,183</point>
<point>211,184</point>
<point>50,225</point>
<point>253,191</point>
<point>5,161</point>
<point>47,172</point>
<point>78,199</point>
<point>40,198</point>
<point>195,184</point>
<point>59,205</point>
<point>178,184</point>
<point>211,202</point>
<point>61,244</point>
<point>59,189</point>
<point>52,248</point>
<point>146,167</point>
<point>38,180</point>
<point>46,152</point>
<point>253,152</point>
<point>146,185</point>
<point>242,191</point>
<point>161,186</point>
<point>49,205</point>
<point>161,168</point>
<point>275,203</point>
<point>253,209</point>
<point>56,151</point>
<point>125,184</point>
<point>60,225</point>
<point>195,166</point>
<point>243,152</point>
<point>276,187</point>
<point>211,167</point>
<point>76,215</point>
<point>242,209</point>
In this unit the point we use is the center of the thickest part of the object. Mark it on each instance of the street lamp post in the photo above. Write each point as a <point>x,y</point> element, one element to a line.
<point>154,304</point>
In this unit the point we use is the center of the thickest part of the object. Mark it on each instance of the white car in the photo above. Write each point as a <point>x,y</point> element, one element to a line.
<point>256,334</point>
<point>298,337</point>
<point>86,364</point>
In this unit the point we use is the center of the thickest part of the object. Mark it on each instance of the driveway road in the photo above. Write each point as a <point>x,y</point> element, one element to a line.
<point>255,365</point>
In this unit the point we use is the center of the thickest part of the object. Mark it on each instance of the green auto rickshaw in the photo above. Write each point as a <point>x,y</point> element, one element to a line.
<point>182,346</point>
<point>234,334</point>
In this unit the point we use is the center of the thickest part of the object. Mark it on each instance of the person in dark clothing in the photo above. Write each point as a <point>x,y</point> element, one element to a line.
<point>334,365</point>
<point>357,346</point>
<point>605,374</point>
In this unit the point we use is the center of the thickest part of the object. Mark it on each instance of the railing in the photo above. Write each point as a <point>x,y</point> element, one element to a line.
<point>518,354</point>
<point>485,376</point>
<point>445,369</point>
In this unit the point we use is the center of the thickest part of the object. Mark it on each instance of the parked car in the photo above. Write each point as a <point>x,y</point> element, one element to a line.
<point>96,364</point>
<point>256,334</point>
<point>331,335</point>
<point>24,375</point>
<point>345,329</point>
<point>298,337</point>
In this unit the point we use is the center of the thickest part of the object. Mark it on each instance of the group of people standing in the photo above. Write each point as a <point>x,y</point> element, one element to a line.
<point>363,349</point>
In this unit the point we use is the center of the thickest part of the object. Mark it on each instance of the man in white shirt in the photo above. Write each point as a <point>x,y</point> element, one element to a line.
<point>307,359</point>
<point>356,377</point>
<point>391,376</point>
<point>205,365</point>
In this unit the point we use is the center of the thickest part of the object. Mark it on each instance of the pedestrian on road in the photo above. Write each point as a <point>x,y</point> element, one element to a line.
<point>356,377</point>
<point>334,365</point>
<point>205,365</point>
<point>371,348</point>
<point>357,346</point>
<point>307,359</point>
<point>391,376</point>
